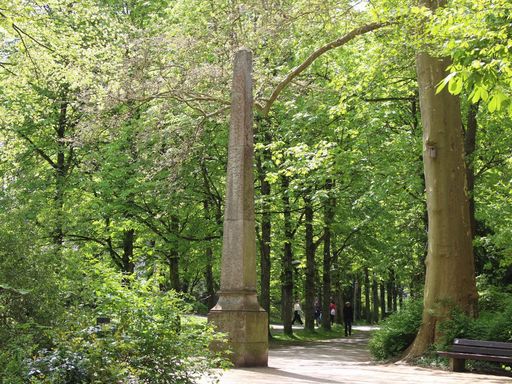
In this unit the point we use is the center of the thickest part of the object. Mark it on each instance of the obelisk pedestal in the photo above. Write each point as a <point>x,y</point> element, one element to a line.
<point>237,312</point>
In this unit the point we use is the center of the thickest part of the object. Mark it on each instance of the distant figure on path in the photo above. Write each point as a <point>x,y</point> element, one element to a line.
<point>318,313</point>
<point>332,311</point>
<point>348,317</point>
<point>296,313</point>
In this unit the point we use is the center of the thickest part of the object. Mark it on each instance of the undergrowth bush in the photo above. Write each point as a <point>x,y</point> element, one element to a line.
<point>150,337</point>
<point>494,323</point>
<point>397,331</point>
<point>148,340</point>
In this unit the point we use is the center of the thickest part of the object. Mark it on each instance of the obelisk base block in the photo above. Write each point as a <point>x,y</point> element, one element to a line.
<point>247,332</point>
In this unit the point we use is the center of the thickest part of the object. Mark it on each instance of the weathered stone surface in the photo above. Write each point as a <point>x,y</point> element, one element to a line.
<point>247,335</point>
<point>237,312</point>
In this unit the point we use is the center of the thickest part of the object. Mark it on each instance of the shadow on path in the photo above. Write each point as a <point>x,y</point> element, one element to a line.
<point>343,361</point>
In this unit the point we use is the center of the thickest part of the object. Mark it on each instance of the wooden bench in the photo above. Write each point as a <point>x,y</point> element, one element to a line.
<point>465,349</point>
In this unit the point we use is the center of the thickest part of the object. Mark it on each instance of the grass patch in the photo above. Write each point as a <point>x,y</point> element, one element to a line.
<point>301,336</point>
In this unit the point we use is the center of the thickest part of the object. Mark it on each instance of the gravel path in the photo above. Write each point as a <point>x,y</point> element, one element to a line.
<point>344,361</point>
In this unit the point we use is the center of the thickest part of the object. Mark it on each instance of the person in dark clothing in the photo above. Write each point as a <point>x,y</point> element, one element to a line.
<point>318,313</point>
<point>348,317</point>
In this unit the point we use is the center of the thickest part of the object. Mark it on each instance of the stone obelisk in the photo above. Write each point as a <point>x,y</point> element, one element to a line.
<point>237,312</point>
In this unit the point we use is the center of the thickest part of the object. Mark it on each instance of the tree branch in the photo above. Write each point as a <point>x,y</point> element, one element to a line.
<point>39,151</point>
<point>379,99</point>
<point>21,31</point>
<point>315,55</point>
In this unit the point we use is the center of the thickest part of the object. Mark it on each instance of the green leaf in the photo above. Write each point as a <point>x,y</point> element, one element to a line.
<point>445,81</point>
<point>455,86</point>
<point>475,95</point>
<point>496,101</point>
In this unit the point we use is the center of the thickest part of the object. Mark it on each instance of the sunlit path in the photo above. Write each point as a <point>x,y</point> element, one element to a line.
<point>341,361</point>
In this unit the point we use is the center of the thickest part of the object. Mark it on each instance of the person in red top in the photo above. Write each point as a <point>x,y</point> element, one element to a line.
<point>332,311</point>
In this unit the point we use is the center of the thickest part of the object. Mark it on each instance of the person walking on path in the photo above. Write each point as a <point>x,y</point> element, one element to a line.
<point>332,311</point>
<point>318,313</point>
<point>296,313</point>
<point>348,317</point>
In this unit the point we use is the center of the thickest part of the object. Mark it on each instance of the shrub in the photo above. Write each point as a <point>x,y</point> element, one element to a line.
<point>148,340</point>
<point>397,331</point>
<point>494,322</point>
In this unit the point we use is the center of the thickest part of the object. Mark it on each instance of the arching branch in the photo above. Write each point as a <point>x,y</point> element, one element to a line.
<point>315,55</point>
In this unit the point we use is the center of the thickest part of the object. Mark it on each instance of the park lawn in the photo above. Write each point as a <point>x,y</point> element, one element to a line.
<point>301,336</point>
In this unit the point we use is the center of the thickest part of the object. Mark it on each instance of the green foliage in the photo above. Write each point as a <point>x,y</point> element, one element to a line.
<point>480,50</point>
<point>397,332</point>
<point>494,322</point>
<point>149,339</point>
<point>142,92</point>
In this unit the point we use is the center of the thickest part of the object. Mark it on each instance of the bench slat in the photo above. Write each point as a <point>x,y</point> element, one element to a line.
<point>481,350</point>
<point>471,356</point>
<point>483,343</point>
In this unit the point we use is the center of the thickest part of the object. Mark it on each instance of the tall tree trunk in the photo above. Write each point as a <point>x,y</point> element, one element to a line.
<point>375,300</point>
<point>382,300</point>
<point>60,169</point>
<point>367,312</point>
<point>389,291</point>
<point>208,272</point>
<point>208,204</point>
<point>309,285</point>
<point>326,275</point>
<point>174,258</point>
<point>395,296</point>
<point>128,265</point>
<point>287,266</point>
<point>357,300</point>
<point>450,276</point>
<point>266,223</point>
<point>337,287</point>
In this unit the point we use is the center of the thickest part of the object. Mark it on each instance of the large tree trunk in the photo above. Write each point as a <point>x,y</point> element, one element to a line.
<point>326,276</point>
<point>375,300</point>
<point>287,277</point>
<point>174,259</point>
<point>309,285</point>
<point>266,223</point>
<point>357,300</point>
<point>61,168</point>
<point>367,312</point>
<point>208,272</point>
<point>128,265</point>
<point>208,205</point>
<point>450,276</point>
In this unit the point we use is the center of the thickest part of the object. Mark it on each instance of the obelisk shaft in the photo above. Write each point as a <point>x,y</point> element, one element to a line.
<point>237,312</point>
<point>239,243</point>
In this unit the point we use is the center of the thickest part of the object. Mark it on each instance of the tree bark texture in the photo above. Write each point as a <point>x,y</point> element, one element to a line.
<point>287,278</point>
<point>450,276</point>
<point>128,240</point>
<point>266,225</point>
<point>367,312</point>
<point>375,300</point>
<point>357,300</point>
<point>382,300</point>
<point>174,259</point>
<point>309,285</point>
<point>326,276</point>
